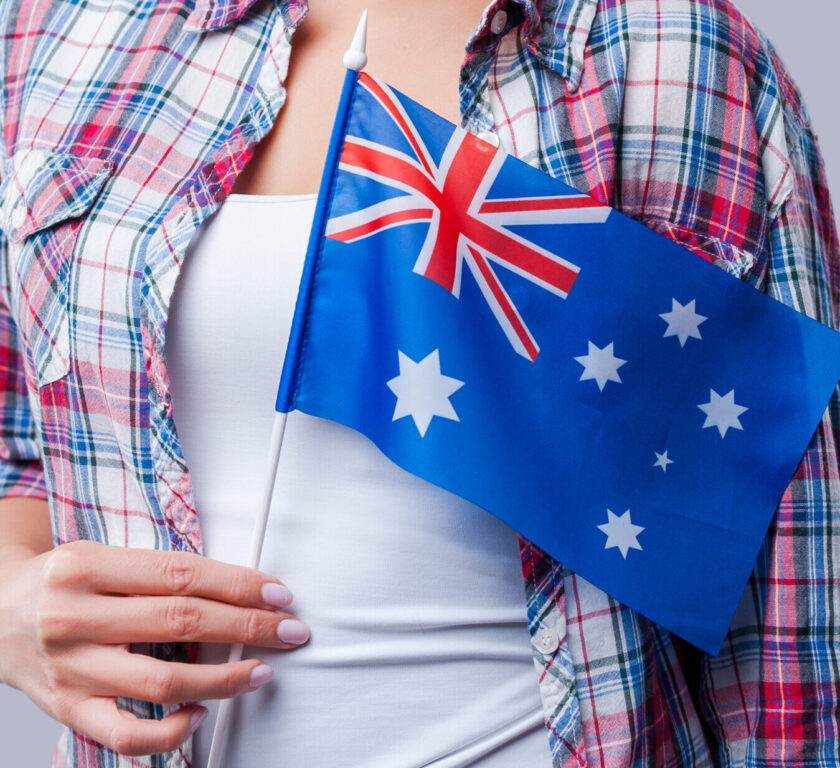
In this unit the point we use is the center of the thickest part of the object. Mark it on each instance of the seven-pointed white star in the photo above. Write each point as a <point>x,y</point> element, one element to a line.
<point>621,532</point>
<point>662,460</point>
<point>423,391</point>
<point>722,412</point>
<point>682,321</point>
<point>601,365</point>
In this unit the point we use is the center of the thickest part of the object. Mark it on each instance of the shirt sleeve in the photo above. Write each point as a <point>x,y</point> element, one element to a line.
<point>771,696</point>
<point>21,466</point>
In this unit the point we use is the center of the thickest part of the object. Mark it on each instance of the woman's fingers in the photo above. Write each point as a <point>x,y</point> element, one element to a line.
<point>120,570</point>
<point>123,732</point>
<point>112,671</point>
<point>112,620</point>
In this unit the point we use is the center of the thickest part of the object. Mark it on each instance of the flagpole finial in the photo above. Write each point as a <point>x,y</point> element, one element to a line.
<point>356,58</point>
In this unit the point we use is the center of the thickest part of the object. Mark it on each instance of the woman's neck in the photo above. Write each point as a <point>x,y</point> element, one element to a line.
<point>418,47</point>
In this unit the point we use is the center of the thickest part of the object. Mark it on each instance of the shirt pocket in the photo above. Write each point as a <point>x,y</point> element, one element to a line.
<point>45,197</point>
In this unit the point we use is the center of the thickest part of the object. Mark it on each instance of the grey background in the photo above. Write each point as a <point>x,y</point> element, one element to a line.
<point>805,39</point>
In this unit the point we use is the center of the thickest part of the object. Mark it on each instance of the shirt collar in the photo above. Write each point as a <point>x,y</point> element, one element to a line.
<point>555,31</point>
<point>215,14</point>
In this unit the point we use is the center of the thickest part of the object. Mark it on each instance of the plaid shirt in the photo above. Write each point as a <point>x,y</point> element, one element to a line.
<point>126,124</point>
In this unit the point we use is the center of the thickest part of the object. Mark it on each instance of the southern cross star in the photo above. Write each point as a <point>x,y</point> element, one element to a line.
<point>423,391</point>
<point>682,321</point>
<point>601,365</point>
<point>621,532</point>
<point>662,460</point>
<point>722,412</point>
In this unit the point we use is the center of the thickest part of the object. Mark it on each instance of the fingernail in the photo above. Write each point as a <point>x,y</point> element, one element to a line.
<point>292,631</point>
<point>261,675</point>
<point>198,718</point>
<point>276,595</point>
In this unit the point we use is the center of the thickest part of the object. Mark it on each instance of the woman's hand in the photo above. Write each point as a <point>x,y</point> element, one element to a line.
<point>68,615</point>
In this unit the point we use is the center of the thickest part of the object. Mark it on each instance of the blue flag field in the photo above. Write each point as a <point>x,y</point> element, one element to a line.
<point>632,409</point>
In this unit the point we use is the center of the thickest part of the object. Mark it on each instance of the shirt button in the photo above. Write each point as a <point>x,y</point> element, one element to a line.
<point>18,216</point>
<point>491,137</point>
<point>498,23</point>
<point>546,641</point>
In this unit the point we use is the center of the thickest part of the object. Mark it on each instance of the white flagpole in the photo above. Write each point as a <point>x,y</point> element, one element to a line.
<point>354,59</point>
<point>257,538</point>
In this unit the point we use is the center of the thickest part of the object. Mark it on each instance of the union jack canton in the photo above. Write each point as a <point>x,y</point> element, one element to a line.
<point>464,226</point>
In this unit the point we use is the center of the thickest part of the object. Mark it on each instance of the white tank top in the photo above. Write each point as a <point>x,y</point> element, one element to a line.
<point>419,652</point>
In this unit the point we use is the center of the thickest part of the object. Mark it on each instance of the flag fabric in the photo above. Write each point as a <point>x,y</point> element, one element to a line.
<point>632,409</point>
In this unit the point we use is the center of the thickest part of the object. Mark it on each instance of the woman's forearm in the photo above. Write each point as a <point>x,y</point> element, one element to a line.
<point>24,527</point>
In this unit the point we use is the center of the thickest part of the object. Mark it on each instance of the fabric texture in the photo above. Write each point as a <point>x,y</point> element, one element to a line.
<point>125,124</point>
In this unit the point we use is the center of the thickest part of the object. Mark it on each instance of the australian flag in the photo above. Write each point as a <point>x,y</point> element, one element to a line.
<point>630,408</point>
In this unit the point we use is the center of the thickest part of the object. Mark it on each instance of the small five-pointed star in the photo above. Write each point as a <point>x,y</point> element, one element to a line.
<point>682,321</point>
<point>423,391</point>
<point>662,461</point>
<point>621,532</point>
<point>722,412</point>
<point>601,365</point>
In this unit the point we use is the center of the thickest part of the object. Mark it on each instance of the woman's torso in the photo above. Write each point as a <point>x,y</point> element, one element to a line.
<point>419,651</point>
